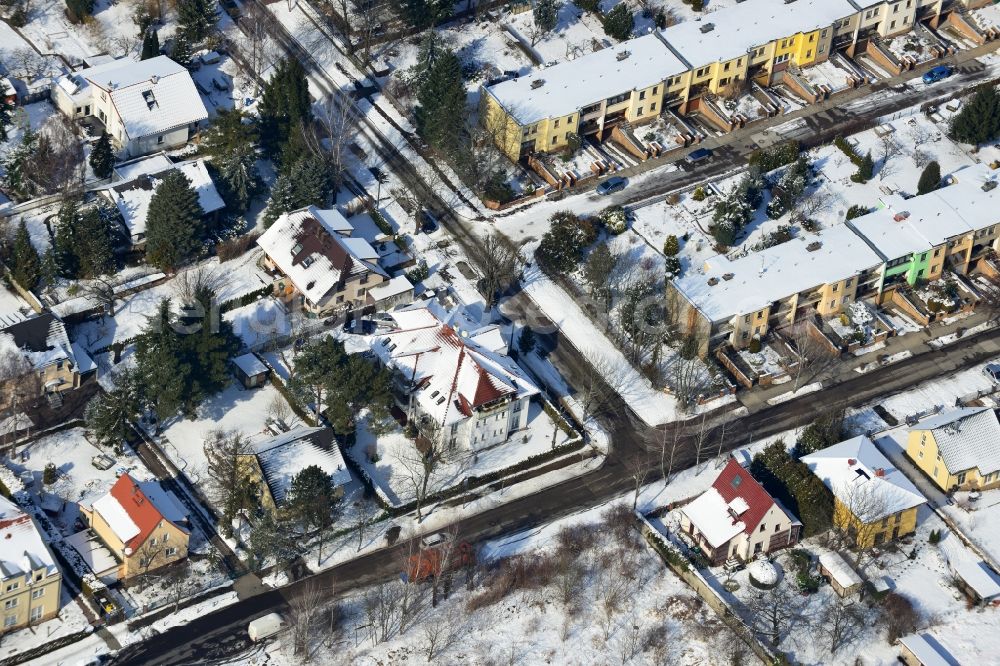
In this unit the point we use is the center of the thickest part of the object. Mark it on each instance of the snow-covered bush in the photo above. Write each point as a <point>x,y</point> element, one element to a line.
<point>614,220</point>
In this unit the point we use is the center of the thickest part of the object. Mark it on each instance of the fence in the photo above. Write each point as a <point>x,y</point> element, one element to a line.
<point>677,562</point>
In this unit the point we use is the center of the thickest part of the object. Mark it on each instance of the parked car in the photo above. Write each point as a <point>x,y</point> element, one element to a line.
<point>937,74</point>
<point>428,223</point>
<point>102,461</point>
<point>359,326</point>
<point>698,155</point>
<point>611,185</point>
<point>265,627</point>
<point>992,370</point>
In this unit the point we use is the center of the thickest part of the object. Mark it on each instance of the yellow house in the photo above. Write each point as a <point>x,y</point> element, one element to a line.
<point>57,364</point>
<point>30,582</point>
<point>144,526</point>
<point>959,449</point>
<point>873,501</point>
<point>276,461</point>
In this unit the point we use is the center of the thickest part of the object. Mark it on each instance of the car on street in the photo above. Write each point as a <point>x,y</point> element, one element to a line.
<point>359,326</point>
<point>698,155</point>
<point>992,370</point>
<point>264,627</point>
<point>937,74</point>
<point>428,223</point>
<point>611,185</point>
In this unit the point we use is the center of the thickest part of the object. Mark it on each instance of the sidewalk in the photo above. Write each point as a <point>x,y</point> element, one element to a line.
<point>915,343</point>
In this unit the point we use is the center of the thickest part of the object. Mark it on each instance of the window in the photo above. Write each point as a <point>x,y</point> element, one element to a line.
<point>701,72</point>
<point>737,480</point>
<point>10,621</point>
<point>833,304</point>
<point>822,34</point>
<point>159,139</point>
<point>724,81</point>
<point>36,613</point>
<point>935,471</point>
<point>638,111</point>
<point>836,288</point>
<point>642,95</point>
<point>937,252</point>
<point>777,527</point>
<point>725,67</point>
<point>892,25</point>
<point>656,89</point>
<point>782,58</point>
<point>846,299</point>
<point>12,586</point>
<point>961,478</point>
<point>152,542</point>
<point>920,454</point>
<point>760,315</point>
<point>38,593</point>
<point>762,526</point>
<point>652,107</point>
<point>555,124</point>
<point>809,53</point>
<point>171,552</point>
<point>10,603</point>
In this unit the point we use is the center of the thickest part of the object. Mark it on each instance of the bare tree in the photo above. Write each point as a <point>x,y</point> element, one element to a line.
<point>178,584</point>
<point>254,44</point>
<point>20,386</point>
<point>199,284</point>
<point>499,262</point>
<point>103,291</point>
<point>419,462</point>
<point>612,592</point>
<point>890,149</point>
<point>639,464</point>
<point>688,378</point>
<point>336,129</point>
<point>305,619</point>
<point>380,603</point>
<point>440,631</point>
<point>602,380</point>
<point>229,485</point>
<point>812,355</point>
<point>278,408</point>
<point>774,611</point>
<point>363,516</point>
<point>864,508</point>
<point>665,441</point>
<point>150,556</point>
<point>810,205</point>
<point>842,623</point>
<point>628,640</point>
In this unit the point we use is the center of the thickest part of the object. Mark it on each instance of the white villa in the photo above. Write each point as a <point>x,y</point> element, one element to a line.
<point>454,380</point>
<point>145,106</point>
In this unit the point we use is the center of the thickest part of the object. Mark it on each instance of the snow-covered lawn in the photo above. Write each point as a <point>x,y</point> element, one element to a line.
<point>397,472</point>
<point>78,480</point>
<point>70,621</point>
<point>979,518</point>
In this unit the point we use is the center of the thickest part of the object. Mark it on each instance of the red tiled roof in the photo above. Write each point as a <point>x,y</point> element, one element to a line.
<point>747,487</point>
<point>139,508</point>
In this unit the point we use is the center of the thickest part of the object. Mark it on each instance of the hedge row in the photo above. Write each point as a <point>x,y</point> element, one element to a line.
<point>246,299</point>
<point>769,159</point>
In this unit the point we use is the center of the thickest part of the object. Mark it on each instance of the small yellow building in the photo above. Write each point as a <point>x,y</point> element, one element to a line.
<point>144,526</point>
<point>30,582</point>
<point>275,462</point>
<point>959,449</point>
<point>873,501</point>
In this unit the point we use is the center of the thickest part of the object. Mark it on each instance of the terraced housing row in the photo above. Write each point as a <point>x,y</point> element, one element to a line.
<point>679,68</point>
<point>944,236</point>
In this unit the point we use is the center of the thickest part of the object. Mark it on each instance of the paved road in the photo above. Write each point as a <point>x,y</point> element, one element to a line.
<point>221,633</point>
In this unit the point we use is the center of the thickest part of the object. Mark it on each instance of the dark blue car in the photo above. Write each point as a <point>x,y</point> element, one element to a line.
<point>611,185</point>
<point>937,74</point>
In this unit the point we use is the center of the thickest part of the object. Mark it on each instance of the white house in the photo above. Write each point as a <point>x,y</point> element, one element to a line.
<point>145,106</point>
<point>454,379</point>
<point>132,196</point>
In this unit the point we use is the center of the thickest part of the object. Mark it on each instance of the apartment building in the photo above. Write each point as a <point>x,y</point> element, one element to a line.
<point>30,581</point>
<point>905,241</point>
<point>676,67</point>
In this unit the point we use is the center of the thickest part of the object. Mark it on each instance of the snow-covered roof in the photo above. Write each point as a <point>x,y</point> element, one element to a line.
<point>94,553</point>
<point>250,365</point>
<point>863,479</point>
<point>569,86</point>
<point>23,548</point>
<point>979,577</point>
<point>13,308</point>
<point>966,438</point>
<point>133,509</point>
<point>453,367</point>
<point>838,568</point>
<point>395,287</point>
<point>132,198</point>
<point>143,166</point>
<point>926,652</point>
<point>282,457</point>
<point>314,249</point>
<point>84,362</point>
<point>735,503</point>
<point>760,278</point>
<point>41,339</point>
<point>151,96</point>
<point>710,514</point>
<point>738,29</point>
<point>902,227</point>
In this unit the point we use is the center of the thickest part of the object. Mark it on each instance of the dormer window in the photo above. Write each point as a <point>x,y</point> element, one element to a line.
<point>150,99</point>
<point>296,248</point>
<point>307,262</point>
<point>735,483</point>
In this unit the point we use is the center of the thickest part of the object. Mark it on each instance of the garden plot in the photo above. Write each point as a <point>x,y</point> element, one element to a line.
<point>978,515</point>
<point>31,116</point>
<point>826,74</point>
<point>686,219</point>
<point>393,462</point>
<point>914,568</point>
<point>238,277</point>
<point>915,44</point>
<point>576,33</point>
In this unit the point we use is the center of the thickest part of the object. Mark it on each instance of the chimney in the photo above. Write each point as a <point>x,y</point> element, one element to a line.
<point>851,462</point>
<point>537,83</point>
<point>899,217</point>
<point>708,27</point>
<point>880,472</point>
<point>154,79</point>
<point>623,55</point>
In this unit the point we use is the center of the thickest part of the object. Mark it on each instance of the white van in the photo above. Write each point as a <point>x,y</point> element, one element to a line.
<point>265,627</point>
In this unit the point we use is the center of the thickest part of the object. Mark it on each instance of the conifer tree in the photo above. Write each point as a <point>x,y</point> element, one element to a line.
<point>284,102</point>
<point>618,22</point>
<point>181,51</point>
<point>173,223</point>
<point>27,264</point>
<point>197,19</point>
<point>546,15</point>
<point>102,157</point>
<point>231,142</point>
<point>64,245</point>
<point>160,365</point>
<point>6,112</point>
<point>979,119</point>
<point>441,101</point>
<point>150,45</point>
<point>930,178</point>
<point>94,246</point>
